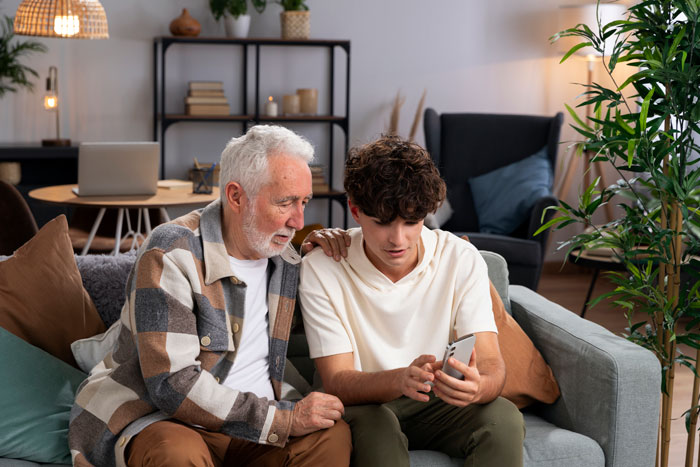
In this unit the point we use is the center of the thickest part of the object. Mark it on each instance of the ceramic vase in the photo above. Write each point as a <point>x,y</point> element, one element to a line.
<point>185,25</point>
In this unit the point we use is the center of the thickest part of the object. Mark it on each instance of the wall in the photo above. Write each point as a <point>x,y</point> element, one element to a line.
<point>487,56</point>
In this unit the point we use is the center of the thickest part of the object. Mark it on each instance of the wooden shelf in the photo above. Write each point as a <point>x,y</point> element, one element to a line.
<point>251,112</point>
<point>261,118</point>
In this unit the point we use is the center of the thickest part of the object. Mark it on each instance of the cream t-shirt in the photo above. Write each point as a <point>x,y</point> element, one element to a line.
<point>349,306</point>
<point>251,369</point>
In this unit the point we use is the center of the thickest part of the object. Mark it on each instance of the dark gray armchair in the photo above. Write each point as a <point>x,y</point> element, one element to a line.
<point>465,145</point>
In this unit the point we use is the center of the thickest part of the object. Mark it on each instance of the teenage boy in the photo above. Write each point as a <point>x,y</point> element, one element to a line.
<point>377,321</point>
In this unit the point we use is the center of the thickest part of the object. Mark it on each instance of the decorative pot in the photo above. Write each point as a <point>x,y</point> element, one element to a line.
<point>185,25</point>
<point>295,24</point>
<point>237,27</point>
<point>10,172</point>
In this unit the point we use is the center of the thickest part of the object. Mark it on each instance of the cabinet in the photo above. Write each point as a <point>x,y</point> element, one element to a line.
<point>252,112</point>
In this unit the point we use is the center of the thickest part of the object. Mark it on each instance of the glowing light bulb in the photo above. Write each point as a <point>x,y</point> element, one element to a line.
<point>50,101</point>
<point>66,26</point>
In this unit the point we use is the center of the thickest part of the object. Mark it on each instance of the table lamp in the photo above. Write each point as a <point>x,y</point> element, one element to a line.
<point>51,104</point>
<point>589,14</point>
<point>73,19</point>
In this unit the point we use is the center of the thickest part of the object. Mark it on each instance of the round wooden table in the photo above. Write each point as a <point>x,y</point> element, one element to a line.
<point>64,195</point>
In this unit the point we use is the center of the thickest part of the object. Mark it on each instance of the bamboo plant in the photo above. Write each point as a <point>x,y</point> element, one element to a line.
<point>647,129</point>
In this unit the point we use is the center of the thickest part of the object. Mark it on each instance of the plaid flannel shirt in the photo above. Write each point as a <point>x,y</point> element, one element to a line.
<point>180,327</point>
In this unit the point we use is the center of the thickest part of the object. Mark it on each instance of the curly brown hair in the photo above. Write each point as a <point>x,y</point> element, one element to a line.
<point>392,178</point>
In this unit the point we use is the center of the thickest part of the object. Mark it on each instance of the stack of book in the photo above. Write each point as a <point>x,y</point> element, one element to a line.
<point>206,98</point>
<point>318,181</point>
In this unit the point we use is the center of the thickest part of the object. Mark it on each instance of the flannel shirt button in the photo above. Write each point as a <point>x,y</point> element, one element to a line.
<point>206,340</point>
<point>217,379</point>
<point>273,438</point>
<point>236,327</point>
<point>122,441</point>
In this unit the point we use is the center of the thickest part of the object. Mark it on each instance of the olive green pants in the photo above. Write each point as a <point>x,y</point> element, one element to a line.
<point>485,435</point>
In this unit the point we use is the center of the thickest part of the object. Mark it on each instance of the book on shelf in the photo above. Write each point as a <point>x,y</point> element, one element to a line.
<point>206,100</point>
<point>207,109</point>
<point>174,184</point>
<point>201,85</point>
<point>206,93</point>
<point>320,187</point>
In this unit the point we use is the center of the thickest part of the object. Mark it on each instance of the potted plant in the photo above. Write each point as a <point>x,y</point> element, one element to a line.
<point>295,19</point>
<point>14,75</point>
<point>235,14</point>
<point>646,128</point>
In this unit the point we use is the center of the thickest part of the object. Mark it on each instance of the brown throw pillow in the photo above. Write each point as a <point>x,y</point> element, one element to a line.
<point>42,299</point>
<point>528,377</point>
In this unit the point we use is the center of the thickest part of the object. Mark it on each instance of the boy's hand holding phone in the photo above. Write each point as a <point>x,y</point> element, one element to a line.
<point>458,392</point>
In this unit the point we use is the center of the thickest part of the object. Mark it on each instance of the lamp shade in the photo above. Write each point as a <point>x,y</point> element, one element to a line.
<point>570,16</point>
<point>76,19</point>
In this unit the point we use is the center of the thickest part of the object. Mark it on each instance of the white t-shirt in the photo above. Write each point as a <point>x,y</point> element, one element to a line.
<point>351,306</point>
<point>250,371</point>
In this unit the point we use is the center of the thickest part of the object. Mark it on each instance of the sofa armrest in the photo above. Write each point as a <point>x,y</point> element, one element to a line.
<point>610,387</point>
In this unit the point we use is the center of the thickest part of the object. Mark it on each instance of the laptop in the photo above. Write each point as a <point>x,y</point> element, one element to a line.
<point>118,169</point>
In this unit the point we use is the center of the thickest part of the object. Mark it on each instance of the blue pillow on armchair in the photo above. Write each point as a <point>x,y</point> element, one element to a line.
<point>504,197</point>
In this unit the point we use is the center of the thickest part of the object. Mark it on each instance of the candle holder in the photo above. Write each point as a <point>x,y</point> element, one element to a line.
<point>308,101</point>
<point>291,104</point>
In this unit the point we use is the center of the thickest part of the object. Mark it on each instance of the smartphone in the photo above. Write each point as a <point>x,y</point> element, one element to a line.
<point>461,349</point>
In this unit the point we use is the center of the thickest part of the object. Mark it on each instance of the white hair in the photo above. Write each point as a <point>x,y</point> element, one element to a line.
<point>244,159</point>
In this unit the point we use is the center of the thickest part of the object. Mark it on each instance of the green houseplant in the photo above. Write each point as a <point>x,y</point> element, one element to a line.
<point>293,5</point>
<point>14,75</point>
<point>646,128</point>
<point>235,14</point>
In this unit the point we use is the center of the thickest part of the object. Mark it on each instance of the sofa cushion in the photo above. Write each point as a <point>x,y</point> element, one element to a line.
<point>36,399</point>
<point>105,277</point>
<point>547,445</point>
<point>42,299</point>
<point>501,211</point>
<point>528,377</point>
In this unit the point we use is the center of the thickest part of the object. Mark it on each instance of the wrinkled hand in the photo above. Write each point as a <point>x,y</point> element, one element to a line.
<point>315,412</point>
<point>458,392</point>
<point>334,242</point>
<point>412,380</point>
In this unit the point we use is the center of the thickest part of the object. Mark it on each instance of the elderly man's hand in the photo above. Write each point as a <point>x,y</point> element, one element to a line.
<point>334,242</point>
<point>315,412</point>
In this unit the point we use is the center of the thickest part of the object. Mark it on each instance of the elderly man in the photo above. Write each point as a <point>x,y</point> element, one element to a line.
<point>195,376</point>
<point>377,321</point>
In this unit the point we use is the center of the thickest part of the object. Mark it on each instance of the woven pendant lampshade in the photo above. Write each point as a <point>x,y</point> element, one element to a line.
<point>75,19</point>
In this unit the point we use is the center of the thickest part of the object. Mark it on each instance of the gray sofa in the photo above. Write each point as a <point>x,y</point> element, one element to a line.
<point>607,414</point>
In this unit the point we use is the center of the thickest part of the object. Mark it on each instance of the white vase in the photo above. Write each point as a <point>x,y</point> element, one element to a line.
<point>237,27</point>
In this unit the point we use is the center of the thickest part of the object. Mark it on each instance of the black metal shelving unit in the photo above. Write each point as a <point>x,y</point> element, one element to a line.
<point>161,120</point>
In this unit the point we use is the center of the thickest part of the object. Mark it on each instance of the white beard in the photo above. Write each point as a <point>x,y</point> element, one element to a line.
<point>264,245</point>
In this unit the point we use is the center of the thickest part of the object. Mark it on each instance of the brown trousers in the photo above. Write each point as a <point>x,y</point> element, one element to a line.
<point>169,443</point>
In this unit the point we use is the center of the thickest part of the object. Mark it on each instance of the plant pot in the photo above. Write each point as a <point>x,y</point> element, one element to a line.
<point>295,24</point>
<point>237,27</point>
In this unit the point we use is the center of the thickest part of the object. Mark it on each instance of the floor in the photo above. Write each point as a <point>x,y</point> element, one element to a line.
<point>569,290</point>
